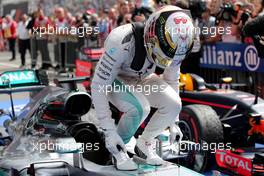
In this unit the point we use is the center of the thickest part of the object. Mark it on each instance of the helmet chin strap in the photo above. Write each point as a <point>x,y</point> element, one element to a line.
<point>150,59</point>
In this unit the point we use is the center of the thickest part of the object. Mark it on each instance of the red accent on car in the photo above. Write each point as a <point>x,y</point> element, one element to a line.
<point>188,118</point>
<point>233,162</point>
<point>47,117</point>
<point>56,103</point>
<point>206,103</point>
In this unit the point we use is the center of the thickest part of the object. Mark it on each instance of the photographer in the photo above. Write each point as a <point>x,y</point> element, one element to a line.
<point>254,29</point>
<point>258,8</point>
<point>233,17</point>
<point>140,14</point>
<point>201,17</point>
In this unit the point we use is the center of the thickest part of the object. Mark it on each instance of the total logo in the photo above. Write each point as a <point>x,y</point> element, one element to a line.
<point>234,162</point>
<point>251,59</point>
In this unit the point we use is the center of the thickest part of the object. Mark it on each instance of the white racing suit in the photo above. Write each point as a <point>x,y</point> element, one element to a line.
<point>133,92</point>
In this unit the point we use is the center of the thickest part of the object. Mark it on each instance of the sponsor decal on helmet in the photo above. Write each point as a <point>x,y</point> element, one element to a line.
<point>178,20</point>
<point>166,45</point>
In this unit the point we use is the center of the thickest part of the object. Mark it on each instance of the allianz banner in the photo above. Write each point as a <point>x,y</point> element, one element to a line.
<point>231,56</point>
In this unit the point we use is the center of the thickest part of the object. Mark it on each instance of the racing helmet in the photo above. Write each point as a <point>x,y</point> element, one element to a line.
<point>168,35</point>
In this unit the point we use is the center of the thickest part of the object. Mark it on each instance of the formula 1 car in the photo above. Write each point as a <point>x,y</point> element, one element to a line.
<point>217,121</point>
<point>229,121</point>
<point>49,137</point>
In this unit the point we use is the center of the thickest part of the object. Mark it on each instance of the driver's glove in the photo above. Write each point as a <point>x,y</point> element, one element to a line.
<point>175,134</point>
<point>114,142</point>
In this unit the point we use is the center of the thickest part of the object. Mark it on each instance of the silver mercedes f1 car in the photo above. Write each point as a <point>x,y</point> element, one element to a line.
<point>50,137</point>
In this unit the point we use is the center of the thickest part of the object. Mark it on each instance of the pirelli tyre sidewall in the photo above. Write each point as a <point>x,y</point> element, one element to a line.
<point>200,124</point>
<point>92,140</point>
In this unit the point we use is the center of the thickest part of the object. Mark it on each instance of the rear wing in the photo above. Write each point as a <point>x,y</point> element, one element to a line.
<point>22,81</point>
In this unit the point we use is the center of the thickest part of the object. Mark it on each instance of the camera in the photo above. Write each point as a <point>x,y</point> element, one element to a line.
<point>245,16</point>
<point>197,7</point>
<point>228,11</point>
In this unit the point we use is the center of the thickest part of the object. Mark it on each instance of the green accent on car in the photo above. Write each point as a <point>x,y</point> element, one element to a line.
<point>2,173</point>
<point>16,78</point>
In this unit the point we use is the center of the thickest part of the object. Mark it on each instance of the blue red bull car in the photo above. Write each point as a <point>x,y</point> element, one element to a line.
<point>231,120</point>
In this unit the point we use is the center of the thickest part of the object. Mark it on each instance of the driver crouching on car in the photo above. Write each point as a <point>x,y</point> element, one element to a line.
<point>125,77</point>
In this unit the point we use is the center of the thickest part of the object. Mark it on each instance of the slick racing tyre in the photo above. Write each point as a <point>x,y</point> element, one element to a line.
<point>200,124</point>
<point>92,140</point>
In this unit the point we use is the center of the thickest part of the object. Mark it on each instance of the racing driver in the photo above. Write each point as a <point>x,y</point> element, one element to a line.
<point>132,52</point>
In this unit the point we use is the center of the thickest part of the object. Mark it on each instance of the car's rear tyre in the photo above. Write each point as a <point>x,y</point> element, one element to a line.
<point>200,124</point>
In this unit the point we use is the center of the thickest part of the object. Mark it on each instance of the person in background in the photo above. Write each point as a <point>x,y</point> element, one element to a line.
<point>9,28</point>
<point>191,63</point>
<point>123,10</point>
<point>254,29</point>
<point>173,2</point>
<point>207,21</point>
<point>112,19</point>
<point>60,24</point>
<point>127,18</point>
<point>258,7</point>
<point>79,23</point>
<point>140,14</point>
<point>103,25</point>
<point>41,24</point>
<point>33,41</point>
<point>131,5</point>
<point>23,38</point>
<point>180,3</point>
<point>2,41</point>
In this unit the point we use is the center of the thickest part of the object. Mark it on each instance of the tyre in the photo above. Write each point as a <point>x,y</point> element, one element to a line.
<point>200,124</point>
<point>92,140</point>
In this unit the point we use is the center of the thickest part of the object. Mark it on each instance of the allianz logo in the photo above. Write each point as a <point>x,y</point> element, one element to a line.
<point>252,61</point>
<point>232,58</point>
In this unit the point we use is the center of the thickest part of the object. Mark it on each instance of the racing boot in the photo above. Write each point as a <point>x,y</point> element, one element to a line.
<point>122,162</point>
<point>146,149</point>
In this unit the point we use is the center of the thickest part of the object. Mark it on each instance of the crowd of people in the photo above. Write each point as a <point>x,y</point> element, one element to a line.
<point>231,14</point>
